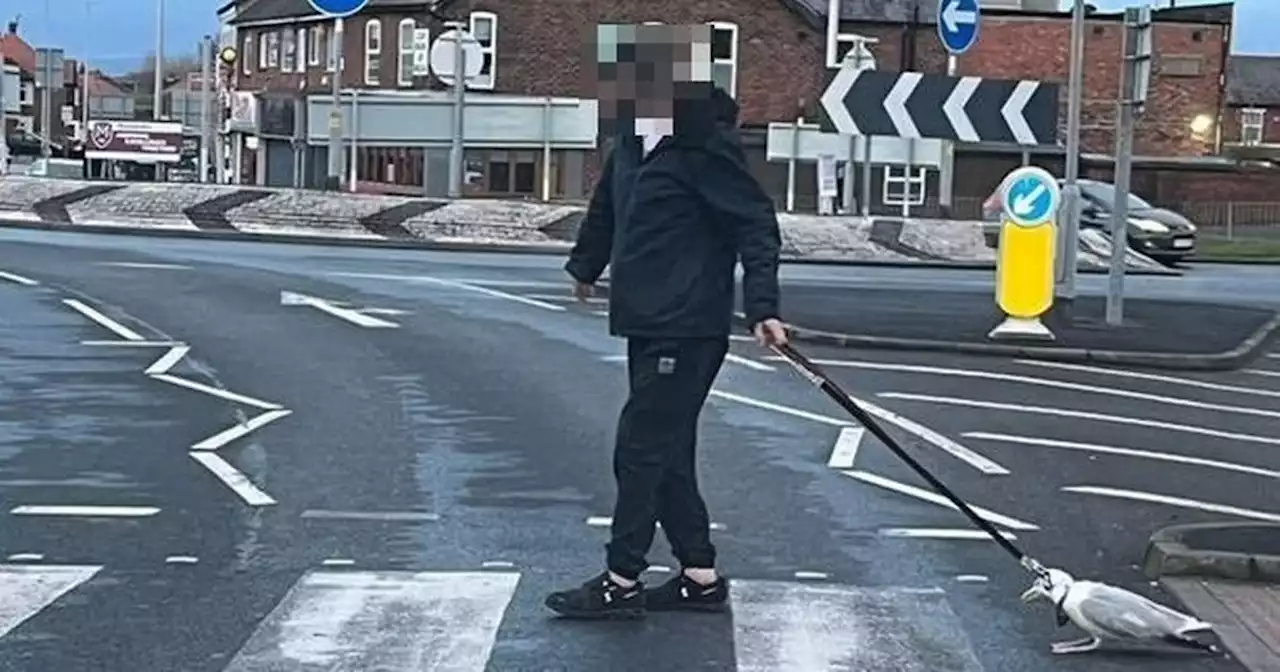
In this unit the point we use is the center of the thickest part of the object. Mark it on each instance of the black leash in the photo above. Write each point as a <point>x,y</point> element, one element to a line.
<point>816,376</point>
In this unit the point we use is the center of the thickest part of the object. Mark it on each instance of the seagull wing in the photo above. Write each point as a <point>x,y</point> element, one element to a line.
<point>1119,614</point>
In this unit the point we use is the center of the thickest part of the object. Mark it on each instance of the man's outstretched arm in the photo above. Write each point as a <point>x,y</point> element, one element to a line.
<point>591,252</point>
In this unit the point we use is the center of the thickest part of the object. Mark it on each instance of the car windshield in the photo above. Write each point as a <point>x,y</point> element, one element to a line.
<point>1106,193</point>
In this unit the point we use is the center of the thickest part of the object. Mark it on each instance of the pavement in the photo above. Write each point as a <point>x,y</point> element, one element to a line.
<point>238,456</point>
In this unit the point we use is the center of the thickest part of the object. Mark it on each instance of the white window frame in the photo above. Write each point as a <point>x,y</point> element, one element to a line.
<point>315,40</point>
<point>246,48</point>
<point>913,186</point>
<point>1253,124</point>
<point>288,62</point>
<point>404,73</point>
<point>330,58</point>
<point>480,82</point>
<point>263,48</point>
<point>372,28</point>
<point>301,49</point>
<point>732,60</point>
<point>273,49</point>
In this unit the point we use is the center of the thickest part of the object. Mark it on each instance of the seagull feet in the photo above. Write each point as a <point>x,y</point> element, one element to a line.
<point>1077,646</point>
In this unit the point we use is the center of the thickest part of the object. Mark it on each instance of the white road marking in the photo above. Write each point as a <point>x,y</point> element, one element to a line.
<point>935,498</point>
<point>168,360</point>
<point>600,313</point>
<point>26,590</point>
<point>748,362</point>
<point>218,392</point>
<point>493,293</point>
<point>606,521</point>
<point>233,478</point>
<point>381,516</point>
<point>972,578</point>
<point>787,625</point>
<point>330,308</point>
<point>26,557</point>
<point>940,533</point>
<point>1127,452</point>
<point>132,264</point>
<point>845,451</point>
<point>18,279</point>
<point>1273,355</point>
<point>107,323</point>
<point>497,564</point>
<point>236,431</point>
<point>565,298</point>
<point>1154,377</point>
<point>181,560</point>
<point>1263,372</point>
<point>939,441</point>
<point>134,344</point>
<point>812,576</point>
<point>481,282</point>
<point>1179,502</point>
<point>338,562</point>
<point>354,620</point>
<point>1057,384</point>
<point>1083,415</point>
<point>85,511</point>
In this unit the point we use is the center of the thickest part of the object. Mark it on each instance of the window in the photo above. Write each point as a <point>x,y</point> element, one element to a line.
<point>263,47</point>
<point>28,94</point>
<point>511,173</point>
<point>315,46</point>
<point>289,52</point>
<point>330,58</point>
<point>1252,121</point>
<point>302,50</point>
<point>484,27</point>
<point>896,186</point>
<point>246,48</point>
<point>724,56</point>
<point>404,73</point>
<point>273,49</point>
<point>372,52</point>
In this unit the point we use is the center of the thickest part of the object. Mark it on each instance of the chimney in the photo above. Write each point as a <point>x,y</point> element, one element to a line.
<point>13,26</point>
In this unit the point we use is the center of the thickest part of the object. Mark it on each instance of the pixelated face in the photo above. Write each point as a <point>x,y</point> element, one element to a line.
<point>641,69</point>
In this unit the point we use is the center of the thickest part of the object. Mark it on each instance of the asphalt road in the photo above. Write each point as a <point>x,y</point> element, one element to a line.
<point>424,453</point>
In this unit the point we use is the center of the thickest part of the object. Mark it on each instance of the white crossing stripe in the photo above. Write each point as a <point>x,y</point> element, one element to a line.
<point>27,589</point>
<point>821,626</point>
<point>353,620</point>
<point>845,451</point>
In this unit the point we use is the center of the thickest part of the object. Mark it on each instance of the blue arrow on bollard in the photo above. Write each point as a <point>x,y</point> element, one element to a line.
<point>958,24</point>
<point>338,8</point>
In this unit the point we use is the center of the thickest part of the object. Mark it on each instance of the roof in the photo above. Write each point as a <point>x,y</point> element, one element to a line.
<point>17,51</point>
<point>1253,80</point>
<point>276,10</point>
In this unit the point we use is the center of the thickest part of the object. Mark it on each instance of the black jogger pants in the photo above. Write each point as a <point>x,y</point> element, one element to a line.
<point>654,457</point>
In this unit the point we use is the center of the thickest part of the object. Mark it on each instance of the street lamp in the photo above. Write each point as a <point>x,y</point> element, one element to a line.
<point>1201,124</point>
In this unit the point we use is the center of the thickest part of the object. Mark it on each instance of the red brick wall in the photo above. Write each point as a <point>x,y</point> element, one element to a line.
<point>1038,48</point>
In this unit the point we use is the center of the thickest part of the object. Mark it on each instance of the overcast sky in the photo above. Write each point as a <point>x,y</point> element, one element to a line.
<point>117,34</point>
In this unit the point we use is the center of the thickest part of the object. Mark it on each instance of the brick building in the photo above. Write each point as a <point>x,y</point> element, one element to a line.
<point>1251,123</point>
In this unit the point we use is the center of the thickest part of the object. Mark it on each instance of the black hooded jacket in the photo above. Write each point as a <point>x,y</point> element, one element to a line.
<point>675,223</point>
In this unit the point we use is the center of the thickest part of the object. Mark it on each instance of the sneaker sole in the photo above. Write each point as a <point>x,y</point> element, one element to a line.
<point>718,607</point>
<point>611,615</point>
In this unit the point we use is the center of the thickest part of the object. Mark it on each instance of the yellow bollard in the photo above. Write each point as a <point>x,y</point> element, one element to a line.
<point>1025,255</point>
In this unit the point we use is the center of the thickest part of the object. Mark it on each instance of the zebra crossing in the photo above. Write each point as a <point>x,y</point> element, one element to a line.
<point>448,621</point>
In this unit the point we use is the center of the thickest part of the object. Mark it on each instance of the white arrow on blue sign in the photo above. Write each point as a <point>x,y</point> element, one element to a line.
<point>1030,196</point>
<point>338,8</point>
<point>958,24</point>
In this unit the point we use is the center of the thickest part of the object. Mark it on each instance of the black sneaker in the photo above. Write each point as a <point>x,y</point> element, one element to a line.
<point>599,598</point>
<point>684,594</point>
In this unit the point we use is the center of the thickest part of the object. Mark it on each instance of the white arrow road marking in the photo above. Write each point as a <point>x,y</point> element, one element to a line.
<point>168,360</point>
<point>328,307</point>
<point>953,16</point>
<point>233,478</point>
<point>934,498</point>
<point>954,109</point>
<point>111,325</point>
<point>236,431</point>
<point>217,392</point>
<point>1126,452</point>
<point>26,591</point>
<point>1179,502</point>
<point>833,100</point>
<point>941,533</point>
<point>1023,203</point>
<point>1013,109</point>
<point>895,104</point>
<point>18,279</point>
<point>1262,372</point>
<point>845,452</point>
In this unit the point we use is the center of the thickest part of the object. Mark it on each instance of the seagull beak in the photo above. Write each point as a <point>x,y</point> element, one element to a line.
<point>1030,595</point>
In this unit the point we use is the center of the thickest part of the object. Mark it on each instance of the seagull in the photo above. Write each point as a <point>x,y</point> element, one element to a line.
<point>1110,613</point>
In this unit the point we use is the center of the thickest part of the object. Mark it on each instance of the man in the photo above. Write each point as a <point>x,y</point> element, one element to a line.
<point>675,209</point>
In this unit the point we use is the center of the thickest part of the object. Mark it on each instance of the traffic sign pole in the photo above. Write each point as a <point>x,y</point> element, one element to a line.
<point>958,23</point>
<point>1069,236</point>
<point>337,10</point>
<point>1030,198</point>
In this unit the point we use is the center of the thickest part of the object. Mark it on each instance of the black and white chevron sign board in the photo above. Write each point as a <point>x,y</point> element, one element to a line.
<point>963,109</point>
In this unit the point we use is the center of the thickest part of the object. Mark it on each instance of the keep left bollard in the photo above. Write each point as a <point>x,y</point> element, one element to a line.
<point>1029,197</point>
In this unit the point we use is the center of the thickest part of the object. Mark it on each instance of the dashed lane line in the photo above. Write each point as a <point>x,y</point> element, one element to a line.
<point>1178,502</point>
<point>1154,377</point>
<point>241,429</point>
<point>1125,452</point>
<point>233,478</point>
<point>217,392</point>
<point>18,279</point>
<point>80,511</point>
<point>934,498</point>
<point>105,322</point>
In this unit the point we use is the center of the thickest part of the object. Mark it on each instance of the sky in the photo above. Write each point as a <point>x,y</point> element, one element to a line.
<point>115,35</point>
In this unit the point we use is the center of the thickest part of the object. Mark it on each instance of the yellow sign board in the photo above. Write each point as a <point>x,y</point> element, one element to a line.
<point>1025,254</point>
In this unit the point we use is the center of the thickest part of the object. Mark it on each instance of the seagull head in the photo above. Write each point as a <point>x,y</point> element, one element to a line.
<point>1052,586</point>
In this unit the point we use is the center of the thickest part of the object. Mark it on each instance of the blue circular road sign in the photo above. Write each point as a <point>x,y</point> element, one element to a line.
<point>958,24</point>
<point>1030,196</point>
<point>338,8</point>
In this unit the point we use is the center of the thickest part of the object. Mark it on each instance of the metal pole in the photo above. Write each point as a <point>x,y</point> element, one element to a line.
<point>157,101</point>
<point>334,180</point>
<point>46,102</point>
<point>459,105</point>
<point>547,129</point>
<point>206,136</point>
<point>1120,217</point>
<point>84,77</point>
<point>355,139</point>
<point>866,175</point>
<point>1069,232</point>
<point>791,166</point>
<point>847,200</point>
<point>947,171</point>
<point>4,119</point>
